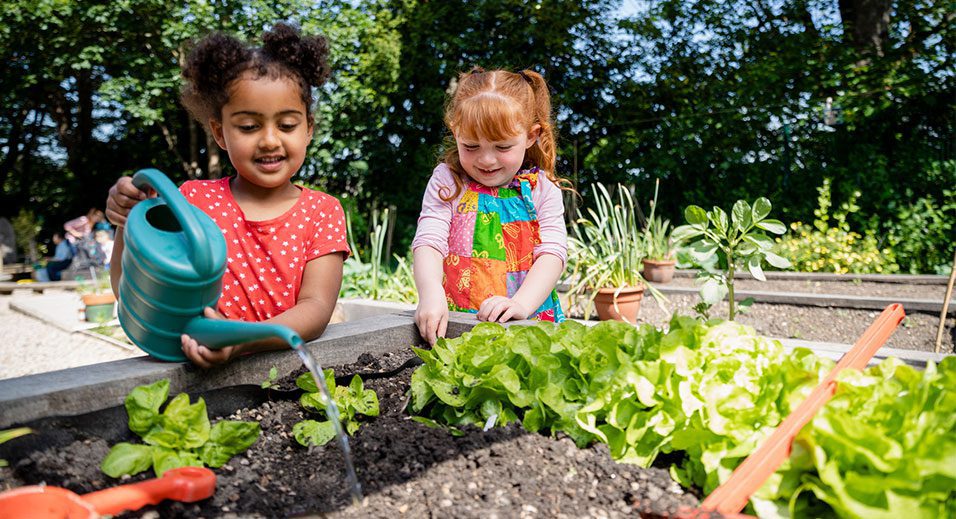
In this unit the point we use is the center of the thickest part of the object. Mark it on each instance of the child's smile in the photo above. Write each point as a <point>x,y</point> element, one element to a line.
<point>265,130</point>
<point>494,163</point>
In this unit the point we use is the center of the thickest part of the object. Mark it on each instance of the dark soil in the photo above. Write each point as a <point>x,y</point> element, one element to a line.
<point>813,323</point>
<point>405,468</point>
<point>849,287</point>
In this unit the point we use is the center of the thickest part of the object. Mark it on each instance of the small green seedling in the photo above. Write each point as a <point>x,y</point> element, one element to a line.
<point>351,401</point>
<point>271,381</point>
<point>10,434</point>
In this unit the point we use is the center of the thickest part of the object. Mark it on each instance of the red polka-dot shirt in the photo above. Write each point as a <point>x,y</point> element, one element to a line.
<point>266,259</point>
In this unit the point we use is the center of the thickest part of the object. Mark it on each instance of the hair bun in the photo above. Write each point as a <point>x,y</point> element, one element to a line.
<point>210,63</point>
<point>305,55</point>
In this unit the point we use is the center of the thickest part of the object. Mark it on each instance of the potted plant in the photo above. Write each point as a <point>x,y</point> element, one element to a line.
<point>605,252</point>
<point>98,300</point>
<point>659,247</point>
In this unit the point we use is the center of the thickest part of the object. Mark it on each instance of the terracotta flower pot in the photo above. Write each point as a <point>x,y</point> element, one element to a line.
<point>658,271</point>
<point>628,304</point>
<point>99,307</point>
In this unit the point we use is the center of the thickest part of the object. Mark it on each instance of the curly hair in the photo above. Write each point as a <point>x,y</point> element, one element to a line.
<point>498,104</point>
<point>219,59</point>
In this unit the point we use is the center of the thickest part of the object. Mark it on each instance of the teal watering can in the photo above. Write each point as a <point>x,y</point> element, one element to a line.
<point>173,264</point>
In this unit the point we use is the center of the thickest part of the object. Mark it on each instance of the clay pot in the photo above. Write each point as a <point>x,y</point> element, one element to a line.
<point>99,307</point>
<point>628,304</point>
<point>658,271</point>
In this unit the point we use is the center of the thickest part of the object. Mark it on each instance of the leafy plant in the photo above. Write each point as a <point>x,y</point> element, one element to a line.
<point>709,390</point>
<point>883,446</point>
<point>921,234</point>
<point>271,379</point>
<point>736,241</point>
<point>10,434</point>
<point>657,237</point>
<point>98,282</point>
<point>830,246</point>
<point>179,436</point>
<point>351,400</point>
<point>26,227</point>
<point>371,278</point>
<point>605,249</point>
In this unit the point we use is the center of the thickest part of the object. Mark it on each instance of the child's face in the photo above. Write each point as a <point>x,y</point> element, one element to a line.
<point>264,129</point>
<point>494,163</point>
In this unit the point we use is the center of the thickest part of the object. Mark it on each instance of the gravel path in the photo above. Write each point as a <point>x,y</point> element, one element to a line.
<point>31,346</point>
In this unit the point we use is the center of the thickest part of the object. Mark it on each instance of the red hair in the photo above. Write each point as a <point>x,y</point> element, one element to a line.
<point>498,105</point>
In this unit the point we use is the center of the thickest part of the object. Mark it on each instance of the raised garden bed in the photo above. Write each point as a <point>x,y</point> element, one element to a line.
<point>404,467</point>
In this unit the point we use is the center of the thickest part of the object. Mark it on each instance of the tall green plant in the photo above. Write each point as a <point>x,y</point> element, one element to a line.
<point>605,250</point>
<point>737,241</point>
<point>372,278</point>
<point>657,239</point>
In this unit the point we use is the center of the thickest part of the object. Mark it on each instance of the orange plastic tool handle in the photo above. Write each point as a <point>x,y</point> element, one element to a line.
<point>732,496</point>
<point>186,484</point>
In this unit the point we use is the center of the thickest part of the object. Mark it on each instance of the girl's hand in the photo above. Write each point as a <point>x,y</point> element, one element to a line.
<point>501,309</point>
<point>123,196</point>
<point>205,357</point>
<point>431,316</point>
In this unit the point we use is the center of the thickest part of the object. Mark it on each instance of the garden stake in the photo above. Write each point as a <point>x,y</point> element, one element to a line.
<point>945,310</point>
<point>733,494</point>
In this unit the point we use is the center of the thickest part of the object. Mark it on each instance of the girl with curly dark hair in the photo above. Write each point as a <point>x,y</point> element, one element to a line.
<point>285,243</point>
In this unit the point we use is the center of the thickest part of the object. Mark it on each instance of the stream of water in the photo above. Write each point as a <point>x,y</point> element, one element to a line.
<point>332,411</point>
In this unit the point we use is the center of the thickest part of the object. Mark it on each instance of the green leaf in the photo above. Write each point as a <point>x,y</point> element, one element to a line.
<point>741,215</point>
<point>311,432</point>
<point>695,215</point>
<point>127,458</point>
<point>753,265</point>
<point>719,218</point>
<point>712,291</point>
<point>184,425</point>
<point>143,403</point>
<point>777,261</point>
<point>773,226</point>
<point>226,439</point>
<point>166,459</point>
<point>761,209</point>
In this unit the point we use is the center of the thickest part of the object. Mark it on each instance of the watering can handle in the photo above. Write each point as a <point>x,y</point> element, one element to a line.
<point>198,243</point>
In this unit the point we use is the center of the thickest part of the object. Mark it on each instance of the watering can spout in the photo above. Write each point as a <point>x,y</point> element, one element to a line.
<point>217,333</point>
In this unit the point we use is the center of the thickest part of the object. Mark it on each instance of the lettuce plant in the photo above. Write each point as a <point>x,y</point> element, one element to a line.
<point>883,447</point>
<point>179,436</point>
<point>710,390</point>
<point>351,401</point>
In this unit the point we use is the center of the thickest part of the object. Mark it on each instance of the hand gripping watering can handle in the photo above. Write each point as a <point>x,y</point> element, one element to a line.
<point>196,238</point>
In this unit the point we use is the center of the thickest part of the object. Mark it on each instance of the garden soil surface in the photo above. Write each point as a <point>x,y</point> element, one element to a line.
<point>405,468</point>
<point>813,323</point>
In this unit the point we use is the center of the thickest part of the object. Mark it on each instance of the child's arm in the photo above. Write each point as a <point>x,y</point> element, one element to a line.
<point>537,286</point>
<point>122,197</point>
<point>318,294</point>
<point>431,316</point>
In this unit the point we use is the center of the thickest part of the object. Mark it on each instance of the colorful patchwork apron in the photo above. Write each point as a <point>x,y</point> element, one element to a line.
<point>491,246</point>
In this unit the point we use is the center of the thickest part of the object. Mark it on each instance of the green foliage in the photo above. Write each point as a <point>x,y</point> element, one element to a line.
<point>921,234</point>
<point>351,400</point>
<point>27,226</point>
<point>830,246</point>
<point>883,446</point>
<point>10,434</point>
<point>736,241</point>
<point>658,244</point>
<point>179,436</point>
<point>372,278</point>
<point>605,249</point>
<point>270,381</point>
<point>709,391</point>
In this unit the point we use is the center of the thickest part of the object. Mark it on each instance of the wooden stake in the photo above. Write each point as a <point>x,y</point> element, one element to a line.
<point>945,310</point>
